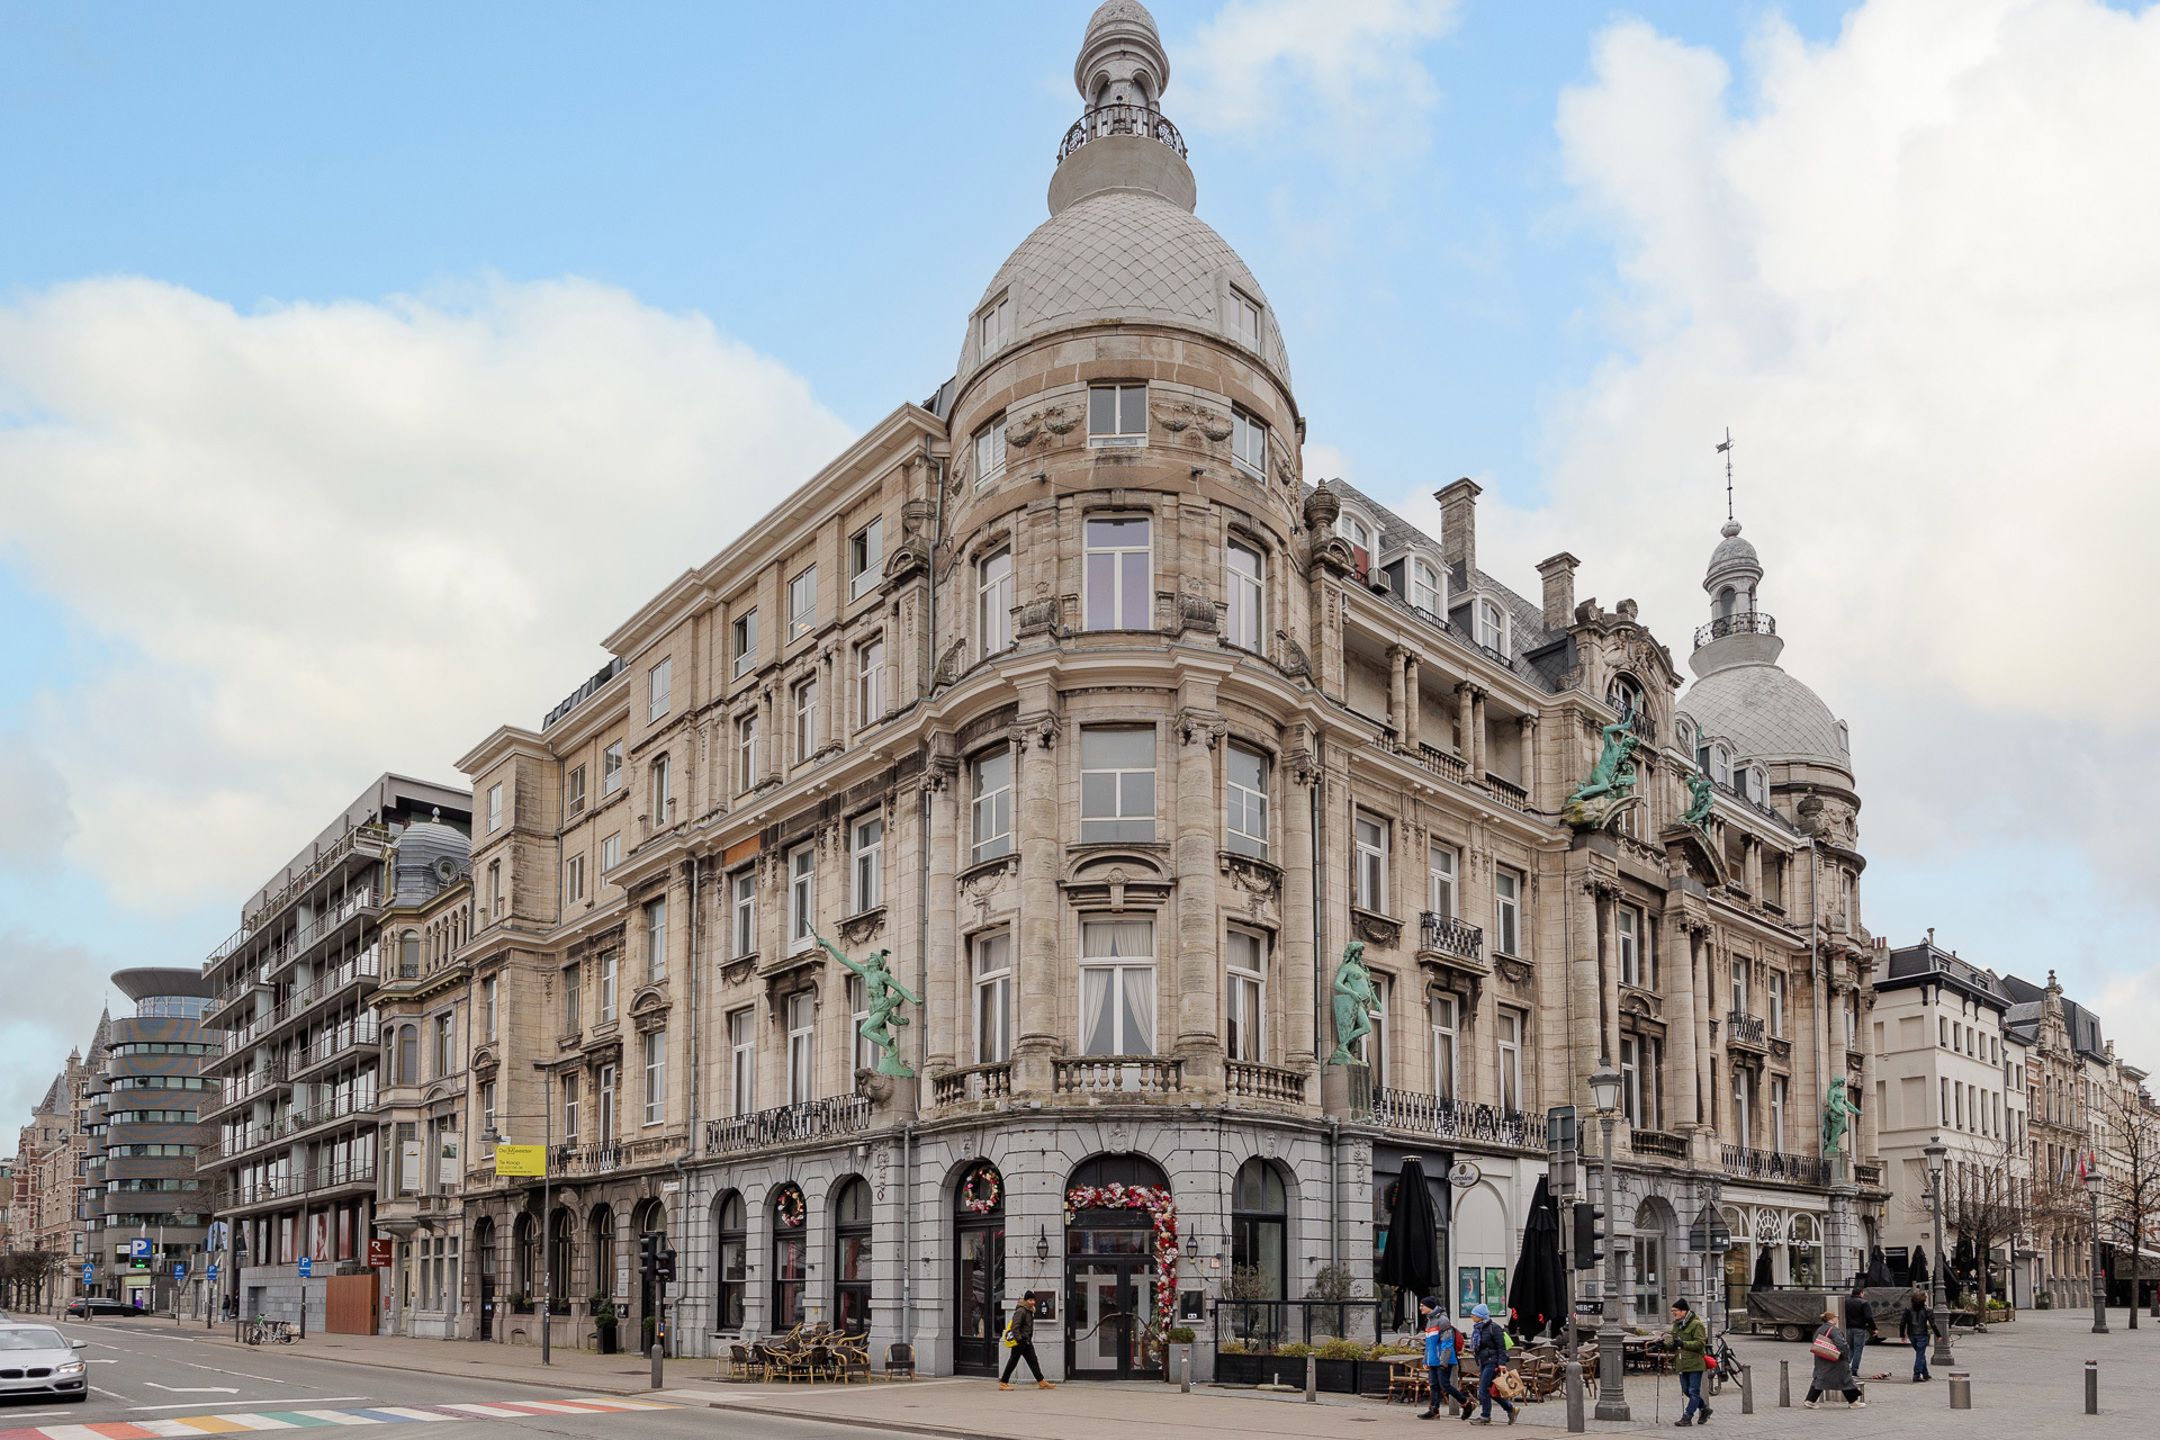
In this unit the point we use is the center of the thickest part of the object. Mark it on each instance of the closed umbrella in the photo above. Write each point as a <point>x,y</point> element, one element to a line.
<point>1538,1293</point>
<point>1878,1267</point>
<point>1918,1272</point>
<point>1411,1260</point>
<point>1762,1269</point>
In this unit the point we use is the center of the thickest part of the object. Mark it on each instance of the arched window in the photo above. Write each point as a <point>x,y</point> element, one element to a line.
<point>1625,696</point>
<point>731,1261</point>
<point>1684,735</point>
<point>408,954</point>
<point>559,1253</point>
<point>1259,1232</point>
<point>1758,785</point>
<point>602,1225</point>
<point>525,1237</point>
<point>789,1258</point>
<point>851,1257</point>
<point>406,1065</point>
<point>1716,762</point>
<point>979,1273</point>
<point>1492,626</point>
<point>1728,601</point>
<point>1354,529</point>
<point>1428,587</point>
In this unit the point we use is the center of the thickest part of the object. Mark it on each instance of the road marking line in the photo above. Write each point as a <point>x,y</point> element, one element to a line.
<point>492,1412</point>
<point>336,1417</point>
<point>407,1412</point>
<point>120,1430</point>
<point>165,1428</point>
<point>257,1420</point>
<point>201,1425</point>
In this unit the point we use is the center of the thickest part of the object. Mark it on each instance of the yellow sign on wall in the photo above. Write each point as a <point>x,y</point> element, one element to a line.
<point>521,1160</point>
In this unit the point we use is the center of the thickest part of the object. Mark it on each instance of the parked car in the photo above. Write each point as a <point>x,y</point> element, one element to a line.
<point>95,1305</point>
<point>39,1360</point>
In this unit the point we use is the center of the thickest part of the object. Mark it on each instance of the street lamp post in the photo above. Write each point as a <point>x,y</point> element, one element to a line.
<point>1612,1386</point>
<point>1936,1151</point>
<point>493,1136</point>
<point>2099,1281</point>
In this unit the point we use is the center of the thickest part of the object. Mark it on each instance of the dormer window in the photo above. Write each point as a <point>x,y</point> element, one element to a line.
<point>1684,734</point>
<point>1428,588</point>
<point>1244,319</point>
<point>1716,762</point>
<point>1758,785</point>
<point>1625,696</point>
<point>1354,530</point>
<point>994,325</point>
<point>1492,626</point>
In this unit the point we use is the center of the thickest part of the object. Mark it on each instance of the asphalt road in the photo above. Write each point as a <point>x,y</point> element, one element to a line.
<point>147,1369</point>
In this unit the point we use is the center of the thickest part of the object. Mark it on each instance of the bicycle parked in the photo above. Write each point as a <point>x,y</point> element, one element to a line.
<point>1726,1370</point>
<point>263,1331</point>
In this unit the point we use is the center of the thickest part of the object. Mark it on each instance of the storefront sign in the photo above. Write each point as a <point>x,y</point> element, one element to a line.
<point>378,1254</point>
<point>1462,1175</point>
<point>521,1160</point>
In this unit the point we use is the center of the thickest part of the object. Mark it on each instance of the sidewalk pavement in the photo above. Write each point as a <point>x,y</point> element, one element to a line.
<point>580,1370</point>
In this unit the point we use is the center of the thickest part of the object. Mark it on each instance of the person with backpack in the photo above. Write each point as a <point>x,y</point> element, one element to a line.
<point>1488,1347</point>
<point>1918,1326</point>
<point>1020,1341</point>
<point>1443,1354</point>
<point>1831,1347</point>
<point>1690,1343</point>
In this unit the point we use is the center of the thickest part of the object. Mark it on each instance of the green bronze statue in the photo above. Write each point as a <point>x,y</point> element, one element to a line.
<point>1838,1113</point>
<point>1355,998</point>
<point>1700,794</point>
<point>882,994</point>
<point>1614,773</point>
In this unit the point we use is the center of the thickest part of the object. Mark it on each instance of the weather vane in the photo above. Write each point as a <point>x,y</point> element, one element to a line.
<point>1726,450</point>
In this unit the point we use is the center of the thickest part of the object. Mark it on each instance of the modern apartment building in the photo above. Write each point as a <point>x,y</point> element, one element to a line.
<point>295,1095</point>
<point>144,1137</point>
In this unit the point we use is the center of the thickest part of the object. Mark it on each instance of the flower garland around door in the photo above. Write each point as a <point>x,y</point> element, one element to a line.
<point>980,1191</point>
<point>1162,1215</point>
<point>788,1208</point>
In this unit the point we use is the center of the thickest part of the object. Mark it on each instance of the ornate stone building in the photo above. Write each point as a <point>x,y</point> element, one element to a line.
<point>1066,689</point>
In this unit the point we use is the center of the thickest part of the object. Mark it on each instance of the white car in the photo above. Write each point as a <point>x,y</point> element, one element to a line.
<point>39,1360</point>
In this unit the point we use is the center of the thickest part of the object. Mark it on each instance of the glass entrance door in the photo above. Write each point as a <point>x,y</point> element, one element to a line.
<point>980,1288</point>
<point>1099,1316</point>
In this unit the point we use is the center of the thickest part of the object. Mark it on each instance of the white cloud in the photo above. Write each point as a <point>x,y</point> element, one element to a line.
<point>1912,269</point>
<point>330,540</point>
<point>53,995</point>
<point>1341,76</point>
<point>34,800</point>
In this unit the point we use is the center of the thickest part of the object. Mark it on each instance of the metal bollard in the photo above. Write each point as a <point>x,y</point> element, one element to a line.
<point>1961,1390</point>
<point>1574,1397</point>
<point>1312,1381</point>
<point>1784,1384</point>
<point>2092,1387</point>
<point>1747,1390</point>
<point>655,1365</point>
<point>1185,1370</point>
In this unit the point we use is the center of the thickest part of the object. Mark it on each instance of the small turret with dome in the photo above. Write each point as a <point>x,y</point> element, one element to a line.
<point>430,855</point>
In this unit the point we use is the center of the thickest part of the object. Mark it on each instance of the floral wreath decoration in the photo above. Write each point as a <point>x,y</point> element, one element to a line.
<point>788,1207</point>
<point>980,1191</point>
<point>1162,1215</point>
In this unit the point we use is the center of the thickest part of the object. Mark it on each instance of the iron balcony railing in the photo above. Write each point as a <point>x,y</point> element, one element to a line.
<point>1107,120</point>
<point>788,1124</point>
<point>1449,1119</point>
<point>1446,935</point>
<point>1776,1165</point>
<point>1746,622</point>
<point>1744,1029</point>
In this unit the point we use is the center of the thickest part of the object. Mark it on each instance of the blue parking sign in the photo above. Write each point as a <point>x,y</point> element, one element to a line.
<point>213,1269</point>
<point>307,1266</point>
<point>89,1274</point>
<point>139,1248</point>
<point>179,1270</point>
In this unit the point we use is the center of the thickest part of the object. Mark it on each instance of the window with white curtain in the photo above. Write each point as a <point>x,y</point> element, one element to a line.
<point>1776,1140</point>
<point>742,1060</point>
<point>1774,987</point>
<point>992,963</point>
<point>1440,881</point>
<point>659,685</point>
<point>1245,996</point>
<point>802,603</point>
<point>1627,923</point>
<point>802,896</point>
<point>801,1046</point>
<point>858,1004</point>
<point>1372,1047</point>
<point>806,706</point>
<point>655,1077</point>
<point>746,754</point>
<point>1117,987</point>
<point>990,451</point>
<point>870,682</point>
<point>1428,592</point>
<point>1511,1059</point>
<point>656,939</point>
<point>1444,1015</point>
<point>866,867</point>
<point>744,930</point>
<point>1507,910</point>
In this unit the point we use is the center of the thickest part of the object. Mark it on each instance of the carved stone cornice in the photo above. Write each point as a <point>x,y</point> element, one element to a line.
<point>1375,929</point>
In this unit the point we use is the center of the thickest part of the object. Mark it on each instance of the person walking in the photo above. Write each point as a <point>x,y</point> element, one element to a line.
<point>1918,1327</point>
<point>1441,1359</point>
<point>1690,1343</point>
<point>1488,1348</point>
<point>1831,1348</point>
<point>1020,1341</point>
<point>1860,1328</point>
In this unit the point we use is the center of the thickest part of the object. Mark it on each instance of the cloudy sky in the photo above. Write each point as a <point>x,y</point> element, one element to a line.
<point>360,369</point>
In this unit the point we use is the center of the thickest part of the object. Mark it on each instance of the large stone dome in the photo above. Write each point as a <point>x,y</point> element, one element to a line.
<point>1126,255</point>
<point>1768,716</point>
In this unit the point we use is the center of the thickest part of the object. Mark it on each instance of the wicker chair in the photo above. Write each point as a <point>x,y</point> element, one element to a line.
<point>900,1361</point>
<point>743,1364</point>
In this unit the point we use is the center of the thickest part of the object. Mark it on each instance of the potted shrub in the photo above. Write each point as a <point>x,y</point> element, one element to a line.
<point>605,1321</point>
<point>521,1305</point>
<point>1336,1365</point>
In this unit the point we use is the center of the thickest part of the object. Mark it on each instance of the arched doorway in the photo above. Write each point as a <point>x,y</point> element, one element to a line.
<point>850,1207</point>
<point>1259,1246</point>
<point>525,1237</point>
<point>1653,1252</point>
<point>1112,1319</point>
<point>979,1272</point>
<point>558,1261</point>
<point>788,1257</point>
<point>483,1243</point>
<point>731,1258</point>
<point>602,1225</point>
<point>650,1218</point>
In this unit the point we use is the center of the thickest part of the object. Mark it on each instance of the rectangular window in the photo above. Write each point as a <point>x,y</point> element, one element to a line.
<point>1507,910</point>
<point>744,928</point>
<point>1739,986</point>
<point>610,964</point>
<point>1117,415</point>
<point>1245,593</point>
<point>573,980</point>
<point>745,642</point>
<point>1369,877</point>
<point>1427,591</point>
<point>802,896</point>
<point>487,1106</point>
<point>1372,1048</point>
<point>570,1109</point>
<point>1244,320</point>
<point>1491,626</point>
<point>992,961</point>
<point>866,558</point>
<point>805,694</point>
<point>1117,987</point>
<point>994,325</point>
<point>1245,996</point>
<point>870,682</point>
<point>1776,1140</point>
<point>990,451</point>
<point>746,754</point>
<point>446,1062</point>
<point>1628,925</point>
<point>573,879</point>
<point>990,805</point>
<point>1248,443</point>
<point>802,604</point>
<point>866,862</point>
<point>858,1004</point>
<point>610,852</point>
<point>494,808</point>
<point>488,989</point>
<point>1117,784</point>
<point>1445,1018</point>
<point>1245,801</point>
<point>742,1060</point>
<point>1743,1119</point>
<point>1776,990</point>
<point>1440,880</point>
<point>656,940</point>
<point>1638,1080</point>
<point>656,1077</point>
<point>605,1095</point>
<point>663,800</point>
<point>1511,1059</point>
<point>1117,573</point>
<point>574,791</point>
<point>611,769</point>
<point>994,602</point>
<point>801,1046</point>
<point>659,683</point>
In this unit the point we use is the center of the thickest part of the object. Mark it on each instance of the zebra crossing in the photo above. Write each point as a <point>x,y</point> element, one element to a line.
<point>247,1421</point>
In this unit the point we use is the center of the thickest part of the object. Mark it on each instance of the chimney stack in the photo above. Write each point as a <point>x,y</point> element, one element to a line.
<point>1558,572</point>
<point>1458,527</point>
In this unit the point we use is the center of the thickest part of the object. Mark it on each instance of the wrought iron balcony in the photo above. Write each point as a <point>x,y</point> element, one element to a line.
<point>1107,120</point>
<point>1447,1119</point>
<point>788,1124</point>
<point>1446,935</point>
<point>1742,1028</point>
<point>1746,622</point>
<point>1775,1165</point>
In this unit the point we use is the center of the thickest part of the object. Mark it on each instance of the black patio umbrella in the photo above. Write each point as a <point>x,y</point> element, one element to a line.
<point>1917,1272</point>
<point>1538,1293</point>
<point>1878,1267</point>
<point>1967,1261</point>
<point>1411,1260</point>
<point>1762,1269</point>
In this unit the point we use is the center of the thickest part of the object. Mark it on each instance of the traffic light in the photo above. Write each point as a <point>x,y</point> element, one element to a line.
<point>648,1255</point>
<point>1585,1249</point>
<point>664,1266</point>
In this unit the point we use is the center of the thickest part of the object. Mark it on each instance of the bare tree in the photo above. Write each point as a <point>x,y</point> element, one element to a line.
<point>2128,1125</point>
<point>1987,1202</point>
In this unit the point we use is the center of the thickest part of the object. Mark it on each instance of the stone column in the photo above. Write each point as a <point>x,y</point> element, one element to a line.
<point>1464,745</point>
<point>1583,994</point>
<point>945,1038</point>
<point>1477,733</point>
<point>1684,1102</point>
<point>1707,1062</point>
<point>1301,775</point>
<point>1039,956</point>
<point>1529,758</point>
<point>1608,964</point>
<point>1397,718</point>
<point>1199,942</point>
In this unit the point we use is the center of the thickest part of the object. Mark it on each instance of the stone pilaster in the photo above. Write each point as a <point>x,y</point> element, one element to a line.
<point>1294,823</point>
<point>1197,734</point>
<point>1410,701</point>
<point>945,1042</point>
<point>1679,963</point>
<point>1040,953</point>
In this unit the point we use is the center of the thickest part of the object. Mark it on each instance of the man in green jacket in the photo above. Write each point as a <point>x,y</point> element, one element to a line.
<point>1690,1342</point>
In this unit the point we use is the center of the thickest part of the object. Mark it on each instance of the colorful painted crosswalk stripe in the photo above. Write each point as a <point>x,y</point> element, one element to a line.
<point>237,1422</point>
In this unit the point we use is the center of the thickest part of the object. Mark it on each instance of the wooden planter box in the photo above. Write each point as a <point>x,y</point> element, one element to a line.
<point>1257,1369</point>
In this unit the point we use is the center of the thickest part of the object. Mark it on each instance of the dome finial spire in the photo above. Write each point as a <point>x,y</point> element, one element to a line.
<point>1121,140</point>
<point>1725,449</point>
<point>1121,60</point>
